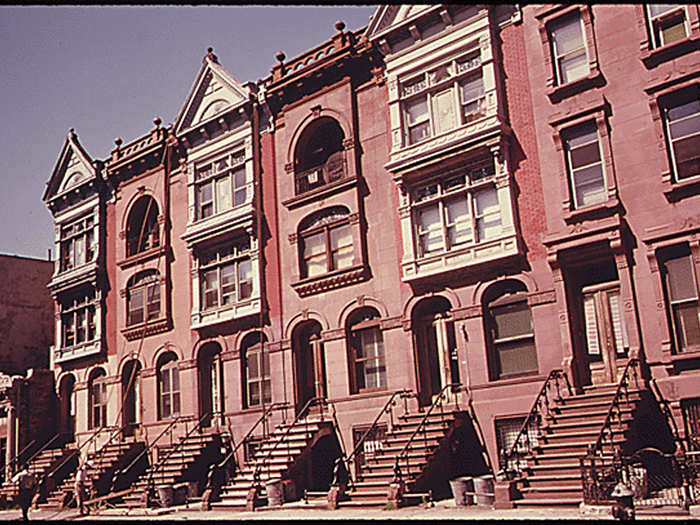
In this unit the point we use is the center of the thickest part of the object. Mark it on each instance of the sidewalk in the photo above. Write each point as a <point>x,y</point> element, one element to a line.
<point>443,510</point>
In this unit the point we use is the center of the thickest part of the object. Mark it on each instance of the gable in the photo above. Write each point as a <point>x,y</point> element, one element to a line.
<point>73,167</point>
<point>391,16</point>
<point>213,92</point>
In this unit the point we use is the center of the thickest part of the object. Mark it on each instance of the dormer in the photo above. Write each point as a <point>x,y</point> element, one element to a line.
<point>215,128</point>
<point>442,78</point>
<point>73,196</point>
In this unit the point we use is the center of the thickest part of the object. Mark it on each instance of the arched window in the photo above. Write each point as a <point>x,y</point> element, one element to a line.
<point>97,399</point>
<point>143,297</point>
<point>255,369</point>
<point>318,157</point>
<point>365,351</point>
<point>142,226</point>
<point>509,330</point>
<point>168,386</point>
<point>326,242</point>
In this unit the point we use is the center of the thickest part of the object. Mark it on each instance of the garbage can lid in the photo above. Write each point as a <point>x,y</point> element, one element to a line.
<point>621,491</point>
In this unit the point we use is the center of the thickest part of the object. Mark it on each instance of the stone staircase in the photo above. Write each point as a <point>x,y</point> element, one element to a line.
<point>39,466</point>
<point>552,476</point>
<point>187,460</point>
<point>99,476</point>
<point>279,456</point>
<point>428,460</point>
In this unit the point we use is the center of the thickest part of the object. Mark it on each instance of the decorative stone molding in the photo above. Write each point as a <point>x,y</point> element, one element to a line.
<point>545,297</point>
<point>332,280</point>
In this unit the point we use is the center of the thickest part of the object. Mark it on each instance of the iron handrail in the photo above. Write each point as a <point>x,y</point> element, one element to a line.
<point>19,455</point>
<point>150,447</point>
<point>407,446</point>
<point>263,417</point>
<point>554,374</point>
<point>161,461</point>
<point>76,452</point>
<point>299,415</point>
<point>622,384</point>
<point>389,404</point>
<point>102,450</point>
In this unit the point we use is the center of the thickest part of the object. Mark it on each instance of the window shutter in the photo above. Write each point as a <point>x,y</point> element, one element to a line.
<point>589,313</point>
<point>618,325</point>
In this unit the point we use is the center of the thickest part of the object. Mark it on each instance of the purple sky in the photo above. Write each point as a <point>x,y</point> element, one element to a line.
<point>107,71</point>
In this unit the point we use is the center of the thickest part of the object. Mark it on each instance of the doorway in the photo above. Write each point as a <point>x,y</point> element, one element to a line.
<point>67,414</point>
<point>130,396</point>
<point>210,371</point>
<point>309,366</point>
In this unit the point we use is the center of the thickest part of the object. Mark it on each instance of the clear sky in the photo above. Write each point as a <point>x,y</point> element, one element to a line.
<point>108,71</point>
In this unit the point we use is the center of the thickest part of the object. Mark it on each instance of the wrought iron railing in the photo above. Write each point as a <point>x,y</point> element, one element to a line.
<point>603,465</point>
<point>551,392</point>
<point>421,429</point>
<point>17,460</point>
<point>333,169</point>
<point>344,462</point>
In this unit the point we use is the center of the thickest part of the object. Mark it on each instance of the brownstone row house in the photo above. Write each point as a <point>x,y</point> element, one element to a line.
<point>461,241</point>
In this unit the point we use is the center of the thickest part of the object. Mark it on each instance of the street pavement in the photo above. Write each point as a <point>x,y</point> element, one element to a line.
<point>443,510</point>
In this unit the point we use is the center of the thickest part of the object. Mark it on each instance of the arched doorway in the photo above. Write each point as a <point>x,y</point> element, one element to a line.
<point>131,393</point>
<point>309,364</point>
<point>434,347</point>
<point>67,408</point>
<point>211,384</point>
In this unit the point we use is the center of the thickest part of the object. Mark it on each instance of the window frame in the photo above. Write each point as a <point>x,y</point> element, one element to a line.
<point>325,226</point>
<point>70,312</point>
<point>262,380</point>
<point>72,233</point>
<point>475,182</point>
<point>169,367</point>
<point>557,59</point>
<point>213,260</point>
<point>149,281</point>
<point>666,104</point>
<point>97,397</point>
<point>675,11</point>
<point>354,337</point>
<point>572,171</point>
<point>679,252</point>
<point>652,54</point>
<point>236,164</point>
<point>421,86</point>
<point>148,221</point>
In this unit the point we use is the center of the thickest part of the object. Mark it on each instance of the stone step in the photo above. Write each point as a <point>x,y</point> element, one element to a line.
<point>555,492</point>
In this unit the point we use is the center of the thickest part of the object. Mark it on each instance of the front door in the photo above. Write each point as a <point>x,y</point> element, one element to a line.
<point>130,376</point>
<point>435,356</point>
<point>67,413</point>
<point>310,367</point>
<point>605,336</point>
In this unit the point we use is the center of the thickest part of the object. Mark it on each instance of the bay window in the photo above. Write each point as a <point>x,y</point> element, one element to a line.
<point>77,319</point>
<point>585,165</point>
<point>456,211</point>
<point>568,46</point>
<point>222,184</point>
<point>443,99</point>
<point>226,275</point>
<point>77,243</point>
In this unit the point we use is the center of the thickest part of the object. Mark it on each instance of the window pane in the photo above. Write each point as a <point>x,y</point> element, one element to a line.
<point>419,132</point>
<point>444,111</point>
<point>175,373</point>
<point>417,110</point>
<point>589,186</point>
<point>210,288</point>
<point>486,202</point>
<point>223,194</point>
<point>459,229</point>
<point>228,284</point>
<point>254,394</point>
<point>618,324</point>
<point>165,378</point>
<point>136,306</point>
<point>517,357</point>
<point>681,282</point>
<point>584,155</point>
<point>341,246</point>
<point>253,370</point>
<point>153,300</point>
<point>488,214</point>
<point>688,324</point>
<point>659,9</point>
<point>672,30</point>
<point>314,244</point>
<point>240,183</point>
<point>245,279</point>
<point>591,323</point>
<point>573,66</point>
<point>687,153</point>
<point>566,34</point>
<point>315,254</point>
<point>512,320</point>
<point>683,110</point>
<point>686,126</point>
<point>429,229</point>
<point>204,198</point>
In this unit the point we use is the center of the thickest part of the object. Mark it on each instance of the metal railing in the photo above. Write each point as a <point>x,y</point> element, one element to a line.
<point>265,461</point>
<point>344,462</point>
<point>510,462</point>
<point>600,471</point>
<point>403,455</point>
<point>17,459</point>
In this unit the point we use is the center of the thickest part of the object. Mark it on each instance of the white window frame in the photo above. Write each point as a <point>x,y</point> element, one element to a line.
<point>654,21</point>
<point>213,261</point>
<point>211,172</point>
<point>456,185</point>
<point>557,58</point>
<point>84,306</point>
<point>579,130</point>
<point>670,141</point>
<point>150,291</point>
<point>425,87</point>
<point>82,233</point>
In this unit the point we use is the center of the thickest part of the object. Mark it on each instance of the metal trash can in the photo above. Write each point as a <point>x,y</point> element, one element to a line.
<point>180,493</point>
<point>165,495</point>
<point>462,490</point>
<point>483,487</point>
<point>273,487</point>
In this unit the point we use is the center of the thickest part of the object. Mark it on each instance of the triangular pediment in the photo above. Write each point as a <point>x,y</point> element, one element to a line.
<point>214,92</point>
<point>74,168</point>
<point>389,17</point>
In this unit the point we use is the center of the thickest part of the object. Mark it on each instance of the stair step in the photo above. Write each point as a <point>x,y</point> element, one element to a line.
<point>547,502</point>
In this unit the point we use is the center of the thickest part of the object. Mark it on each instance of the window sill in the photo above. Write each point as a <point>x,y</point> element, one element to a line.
<point>69,277</point>
<point>675,191</point>
<point>329,281</point>
<point>67,353</point>
<point>222,314</point>
<point>320,192</point>
<point>559,93</point>
<point>237,218</point>
<point>653,57</point>
<point>141,257</point>
<point>594,211</point>
<point>156,326</point>
<point>515,379</point>
<point>693,353</point>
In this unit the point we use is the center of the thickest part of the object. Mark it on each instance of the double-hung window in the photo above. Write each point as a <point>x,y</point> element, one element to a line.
<point>77,243</point>
<point>457,211</point>
<point>439,100</point>
<point>98,400</point>
<point>143,302</point>
<point>682,121</point>
<point>668,23</point>
<point>257,376</point>
<point>169,388</point>
<point>222,184</point>
<point>585,165</point>
<point>78,320</point>
<point>226,275</point>
<point>682,295</point>
<point>569,53</point>
<point>327,244</point>
<point>366,349</point>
